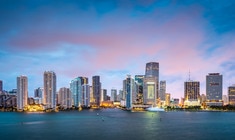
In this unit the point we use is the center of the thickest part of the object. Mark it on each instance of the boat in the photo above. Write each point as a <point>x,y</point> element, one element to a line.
<point>155,109</point>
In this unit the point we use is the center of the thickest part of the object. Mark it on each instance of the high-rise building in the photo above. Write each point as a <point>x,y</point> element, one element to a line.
<point>231,95</point>
<point>103,95</point>
<point>124,89</point>
<point>152,70</point>
<point>150,91</point>
<point>225,100</point>
<point>49,93</point>
<point>1,85</point>
<point>38,95</point>
<point>76,91</point>
<point>139,79</point>
<point>191,90</point>
<point>119,96</point>
<point>92,99</point>
<point>65,98</point>
<point>214,86</point>
<point>96,85</point>
<point>162,91</point>
<point>113,95</point>
<point>130,90</point>
<point>168,99</point>
<point>85,95</point>
<point>22,92</point>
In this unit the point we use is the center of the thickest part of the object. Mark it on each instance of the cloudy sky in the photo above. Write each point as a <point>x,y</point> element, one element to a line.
<point>113,38</point>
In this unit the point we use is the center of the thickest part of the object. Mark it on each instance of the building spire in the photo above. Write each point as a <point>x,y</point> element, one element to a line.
<point>189,75</point>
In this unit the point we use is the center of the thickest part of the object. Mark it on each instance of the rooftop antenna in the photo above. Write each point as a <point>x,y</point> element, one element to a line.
<point>189,75</point>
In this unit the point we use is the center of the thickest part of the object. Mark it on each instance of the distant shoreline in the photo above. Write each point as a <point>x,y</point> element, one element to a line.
<point>166,110</point>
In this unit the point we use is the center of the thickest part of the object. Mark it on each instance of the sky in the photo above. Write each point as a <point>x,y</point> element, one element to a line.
<point>113,38</point>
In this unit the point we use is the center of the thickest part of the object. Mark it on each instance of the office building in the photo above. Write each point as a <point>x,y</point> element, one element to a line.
<point>103,95</point>
<point>139,79</point>
<point>113,95</point>
<point>119,96</point>
<point>65,98</point>
<point>191,93</point>
<point>168,99</point>
<point>49,92</point>
<point>231,95</point>
<point>162,91</point>
<point>150,91</point>
<point>124,90</point>
<point>191,90</point>
<point>38,95</point>
<point>85,95</point>
<point>130,90</point>
<point>214,86</point>
<point>1,86</point>
<point>225,100</point>
<point>152,70</point>
<point>76,91</point>
<point>22,92</point>
<point>96,85</point>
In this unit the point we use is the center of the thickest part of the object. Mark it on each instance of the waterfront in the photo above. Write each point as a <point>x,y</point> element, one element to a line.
<point>117,124</point>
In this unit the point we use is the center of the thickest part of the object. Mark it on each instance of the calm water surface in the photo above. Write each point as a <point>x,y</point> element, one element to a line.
<point>117,125</point>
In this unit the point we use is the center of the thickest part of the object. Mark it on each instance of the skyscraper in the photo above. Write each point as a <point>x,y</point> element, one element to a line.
<point>191,90</point>
<point>114,95</point>
<point>119,96</point>
<point>103,95</point>
<point>38,95</point>
<point>139,79</point>
<point>22,92</point>
<point>214,86</point>
<point>191,93</point>
<point>1,85</point>
<point>130,91</point>
<point>231,95</point>
<point>96,85</point>
<point>76,91</point>
<point>150,91</point>
<point>168,99</point>
<point>65,98</point>
<point>162,91</point>
<point>49,95</point>
<point>152,70</point>
<point>85,95</point>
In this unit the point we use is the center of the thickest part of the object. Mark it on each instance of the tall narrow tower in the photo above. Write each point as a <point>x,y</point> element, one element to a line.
<point>151,82</point>
<point>22,92</point>
<point>96,85</point>
<point>49,99</point>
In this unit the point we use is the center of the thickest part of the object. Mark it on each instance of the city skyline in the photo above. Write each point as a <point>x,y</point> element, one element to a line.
<point>115,38</point>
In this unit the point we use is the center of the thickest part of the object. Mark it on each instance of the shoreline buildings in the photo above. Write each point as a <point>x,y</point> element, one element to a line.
<point>129,91</point>
<point>231,95</point>
<point>65,98</point>
<point>96,90</point>
<point>214,86</point>
<point>22,92</point>
<point>151,81</point>
<point>49,93</point>
<point>78,88</point>
<point>191,93</point>
<point>1,86</point>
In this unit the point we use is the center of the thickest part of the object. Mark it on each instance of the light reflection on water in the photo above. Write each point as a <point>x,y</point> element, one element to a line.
<point>117,124</point>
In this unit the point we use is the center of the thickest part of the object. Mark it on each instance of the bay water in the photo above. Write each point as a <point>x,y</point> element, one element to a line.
<point>115,124</point>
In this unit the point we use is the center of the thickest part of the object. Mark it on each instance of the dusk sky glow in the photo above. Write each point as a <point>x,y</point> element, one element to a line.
<point>113,38</point>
